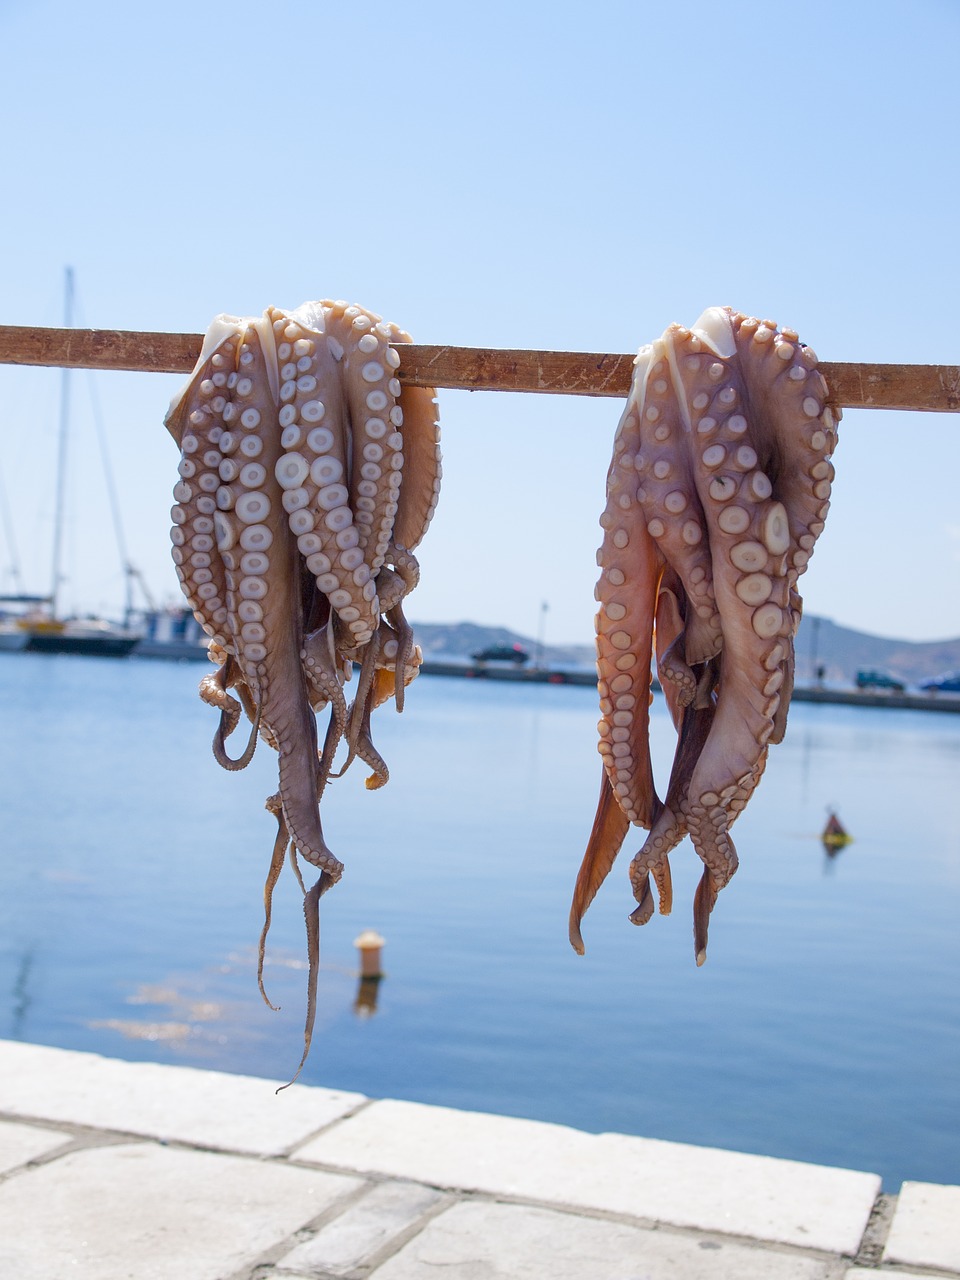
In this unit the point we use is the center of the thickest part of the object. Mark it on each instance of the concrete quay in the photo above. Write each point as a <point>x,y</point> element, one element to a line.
<point>113,1170</point>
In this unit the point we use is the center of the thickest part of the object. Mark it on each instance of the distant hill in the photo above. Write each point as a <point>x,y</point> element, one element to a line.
<point>840,650</point>
<point>461,639</point>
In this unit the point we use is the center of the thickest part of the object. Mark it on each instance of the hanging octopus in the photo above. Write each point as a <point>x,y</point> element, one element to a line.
<point>308,476</point>
<point>718,489</point>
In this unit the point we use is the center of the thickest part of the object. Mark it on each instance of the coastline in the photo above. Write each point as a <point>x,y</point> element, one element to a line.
<point>801,693</point>
<point>188,651</point>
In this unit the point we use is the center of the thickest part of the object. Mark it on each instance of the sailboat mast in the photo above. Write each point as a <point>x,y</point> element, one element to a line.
<point>62,448</point>
<point>11,539</point>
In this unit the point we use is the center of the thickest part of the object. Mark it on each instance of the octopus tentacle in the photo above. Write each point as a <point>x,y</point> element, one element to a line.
<point>610,826</point>
<point>314,470</point>
<point>422,472</point>
<point>788,667</point>
<point>323,673</point>
<point>311,915</point>
<point>372,392</point>
<point>667,497</point>
<point>220,754</point>
<point>627,593</point>
<point>331,742</point>
<point>704,900</point>
<point>358,710</point>
<point>398,577</point>
<point>788,390</point>
<point>273,875</point>
<point>677,680</point>
<point>679,686</point>
<point>397,666</point>
<point>300,784</point>
<point>200,419</point>
<point>670,826</point>
<point>213,692</point>
<point>392,667</point>
<point>368,753</point>
<point>401,653</point>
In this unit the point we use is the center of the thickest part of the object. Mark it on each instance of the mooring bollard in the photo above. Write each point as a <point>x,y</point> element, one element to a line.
<point>370,945</point>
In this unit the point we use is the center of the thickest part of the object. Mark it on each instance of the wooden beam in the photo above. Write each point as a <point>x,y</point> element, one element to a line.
<point>926,388</point>
<point>100,349</point>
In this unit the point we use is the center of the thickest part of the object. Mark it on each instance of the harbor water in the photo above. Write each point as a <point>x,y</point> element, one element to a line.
<point>825,1025</point>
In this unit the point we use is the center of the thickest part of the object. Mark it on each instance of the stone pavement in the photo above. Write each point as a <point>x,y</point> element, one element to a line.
<point>130,1171</point>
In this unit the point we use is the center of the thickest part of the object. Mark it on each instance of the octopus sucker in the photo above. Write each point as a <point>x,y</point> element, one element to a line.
<point>295,435</point>
<point>730,427</point>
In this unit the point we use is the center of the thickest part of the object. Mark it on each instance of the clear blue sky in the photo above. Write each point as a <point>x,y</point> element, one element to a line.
<point>504,174</point>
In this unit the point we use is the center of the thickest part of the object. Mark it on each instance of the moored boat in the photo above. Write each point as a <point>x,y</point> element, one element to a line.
<point>91,637</point>
<point>38,626</point>
<point>172,633</point>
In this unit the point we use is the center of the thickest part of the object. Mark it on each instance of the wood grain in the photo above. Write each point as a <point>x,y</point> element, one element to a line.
<point>925,388</point>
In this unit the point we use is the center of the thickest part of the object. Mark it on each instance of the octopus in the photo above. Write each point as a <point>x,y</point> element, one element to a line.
<point>717,491</point>
<point>308,476</point>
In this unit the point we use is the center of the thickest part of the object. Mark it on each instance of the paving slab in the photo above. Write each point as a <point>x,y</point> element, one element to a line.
<point>364,1229</point>
<point>858,1273</point>
<point>153,1212</point>
<point>756,1196</point>
<point>925,1231</point>
<point>21,1142</point>
<point>181,1104</point>
<point>474,1240</point>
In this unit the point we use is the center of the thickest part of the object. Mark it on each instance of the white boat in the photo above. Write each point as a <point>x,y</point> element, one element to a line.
<point>12,636</point>
<point>172,633</point>
<point>14,626</point>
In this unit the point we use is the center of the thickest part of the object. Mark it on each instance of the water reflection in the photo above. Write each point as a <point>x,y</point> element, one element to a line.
<point>22,999</point>
<point>184,1011</point>
<point>368,993</point>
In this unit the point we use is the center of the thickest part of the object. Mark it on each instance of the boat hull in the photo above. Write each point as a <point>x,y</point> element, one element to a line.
<point>91,646</point>
<point>12,640</point>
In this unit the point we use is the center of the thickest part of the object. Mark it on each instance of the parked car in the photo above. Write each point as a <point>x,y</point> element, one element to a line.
<point>502,653</point>
<point>949,683</point>
<point>879,680</point>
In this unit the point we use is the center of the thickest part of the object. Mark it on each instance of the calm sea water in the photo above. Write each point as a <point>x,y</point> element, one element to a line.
<point>823,1027</point>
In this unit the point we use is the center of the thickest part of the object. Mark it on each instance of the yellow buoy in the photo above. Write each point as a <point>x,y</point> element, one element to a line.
<point>835,835</point>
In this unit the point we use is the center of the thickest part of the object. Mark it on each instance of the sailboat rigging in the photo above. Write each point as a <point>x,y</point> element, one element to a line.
<point>42,629</point>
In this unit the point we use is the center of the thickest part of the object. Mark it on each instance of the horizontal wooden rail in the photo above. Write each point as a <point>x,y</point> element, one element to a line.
<point>930,388</point>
